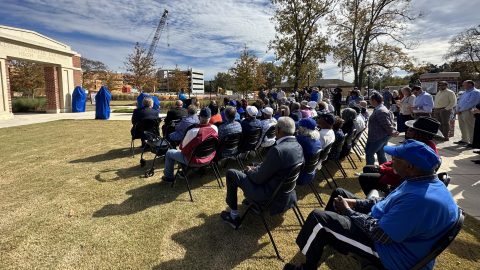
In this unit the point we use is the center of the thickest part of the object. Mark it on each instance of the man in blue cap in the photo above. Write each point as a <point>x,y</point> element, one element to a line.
<point>394,232</point>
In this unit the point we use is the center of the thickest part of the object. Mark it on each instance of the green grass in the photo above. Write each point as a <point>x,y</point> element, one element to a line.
<point>73,198</point>
<point>122,110</point>
<point>29,104</point>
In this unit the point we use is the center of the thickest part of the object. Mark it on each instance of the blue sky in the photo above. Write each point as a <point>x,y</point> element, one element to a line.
<point>207,35</point>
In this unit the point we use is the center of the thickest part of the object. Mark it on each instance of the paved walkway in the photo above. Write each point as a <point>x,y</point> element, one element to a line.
<point>465,184</point>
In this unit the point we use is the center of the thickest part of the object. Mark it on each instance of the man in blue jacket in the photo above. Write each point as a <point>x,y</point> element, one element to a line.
<point>394,232</point>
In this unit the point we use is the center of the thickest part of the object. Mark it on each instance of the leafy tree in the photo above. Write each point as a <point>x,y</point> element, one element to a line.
<point>27,77</point>
<point>246,73</point>
<point>179,81</point>
<point>273,74</point>
<point>369,35</point>
<point>298,42</point>
<point>222,80</point>
<point>141,68</point>
<point>465,47</point>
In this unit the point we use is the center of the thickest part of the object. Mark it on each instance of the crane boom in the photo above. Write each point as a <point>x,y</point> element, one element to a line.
<point>158,32</point>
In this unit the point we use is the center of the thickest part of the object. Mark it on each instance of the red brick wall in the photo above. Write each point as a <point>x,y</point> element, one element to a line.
<point>10,94</point>
<point>76,61</point>
<point>77,78</point>
<point>51,88</point>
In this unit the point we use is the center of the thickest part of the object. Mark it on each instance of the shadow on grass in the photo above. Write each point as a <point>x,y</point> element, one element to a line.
<point>215,245</point>
<point>155,194</point>
<point>110,155</point>
<point>469,250</point>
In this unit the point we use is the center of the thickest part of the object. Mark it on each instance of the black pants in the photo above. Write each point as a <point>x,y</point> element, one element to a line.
<point>476,132</point>
<point>329,228</point>
<point>337,107</point>
<point>370,179</point>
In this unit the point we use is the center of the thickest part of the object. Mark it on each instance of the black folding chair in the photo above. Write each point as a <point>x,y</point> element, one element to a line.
<point>349,143</point>
<point>270,134</point>
<point>168,128</point>
<point>156,145</point>
<point>286,187</point>
<point>436,250</point>
<point>310,168</point>
<point>355,144</point>
<point>337,145</point>
<point>249,143</point>
<point>150,125</point>
<point>203,150</point>
<point>322,164</point>
<point>230,145</point>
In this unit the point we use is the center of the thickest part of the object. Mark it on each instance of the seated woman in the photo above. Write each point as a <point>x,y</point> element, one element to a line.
<point>383,177</point>
<point>216,117</point>
<point>348,115</point>
<point>309,138</point>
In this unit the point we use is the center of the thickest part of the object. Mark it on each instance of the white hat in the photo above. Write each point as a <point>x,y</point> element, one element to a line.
<point>252,110</point>
<point>312,104</point>
<point>268,111</point>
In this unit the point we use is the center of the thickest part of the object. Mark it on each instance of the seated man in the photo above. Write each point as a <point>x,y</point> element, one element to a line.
<point>143,113</point>
<point>383,177</point>
<point>309,138</point>
<point>185,123</point>
<point>229,127</point>
<point>192,139</point>
<point>325,123</point>
<point>176,113</point>
<point>250,122</point>
<point>267,122</point>
<point>216,117</point>
<point>394,232</point>
<point>258,183</point>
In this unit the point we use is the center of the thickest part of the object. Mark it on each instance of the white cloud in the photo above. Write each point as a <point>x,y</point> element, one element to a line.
<point>206,34</point>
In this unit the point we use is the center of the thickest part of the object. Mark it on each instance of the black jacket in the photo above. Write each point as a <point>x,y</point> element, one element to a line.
<point>144,113</point>
<point>175,114</point>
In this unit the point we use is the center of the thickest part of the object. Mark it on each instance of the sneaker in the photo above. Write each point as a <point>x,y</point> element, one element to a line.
<point>167,179</point>
<point>234,223</point>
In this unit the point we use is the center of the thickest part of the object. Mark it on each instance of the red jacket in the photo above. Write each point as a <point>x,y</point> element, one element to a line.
<point>389,177</point>
<point>193,138</point>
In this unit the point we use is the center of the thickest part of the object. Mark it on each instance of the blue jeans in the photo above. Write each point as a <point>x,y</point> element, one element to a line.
<point>171,156</point>
<point>376,147</point>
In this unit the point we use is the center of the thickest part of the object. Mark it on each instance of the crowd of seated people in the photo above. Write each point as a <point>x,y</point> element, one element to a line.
<point>391,231</point>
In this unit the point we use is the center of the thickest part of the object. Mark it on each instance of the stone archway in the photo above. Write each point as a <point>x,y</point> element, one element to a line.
<point>62,67</point>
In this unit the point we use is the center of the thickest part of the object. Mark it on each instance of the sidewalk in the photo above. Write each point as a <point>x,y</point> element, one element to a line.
<point>32,118</point>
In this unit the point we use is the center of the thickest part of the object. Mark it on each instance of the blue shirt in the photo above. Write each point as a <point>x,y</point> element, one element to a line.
<point>314,96</point>
<point>237,116</point>
<point>310,147</point>
<point>181,128</point>
<point>468,100</point>
<point>415,215</point>
<point>423,103</point>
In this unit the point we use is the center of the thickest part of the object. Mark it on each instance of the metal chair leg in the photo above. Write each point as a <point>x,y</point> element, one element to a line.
<point>353,161</point>
<point>325,178</point>
<point>331,176</point>
<point>188,186</point>
<point>270,235</point>
<point>315,192</point>
<point>297,215</point>
<point>132,148</point>
<point>340,167</point>
<point>300,213</point>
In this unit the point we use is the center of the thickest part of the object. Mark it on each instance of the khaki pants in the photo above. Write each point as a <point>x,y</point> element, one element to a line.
<point>467,123</point>
<point>443,116</point>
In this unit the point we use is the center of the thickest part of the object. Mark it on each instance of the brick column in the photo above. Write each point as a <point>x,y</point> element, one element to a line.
<point>10,93</point>
<point>77,74</point>
<point>51,89</point>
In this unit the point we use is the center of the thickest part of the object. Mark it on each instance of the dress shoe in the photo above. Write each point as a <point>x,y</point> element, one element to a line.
<point>460,142</point>
<point>476,152</point>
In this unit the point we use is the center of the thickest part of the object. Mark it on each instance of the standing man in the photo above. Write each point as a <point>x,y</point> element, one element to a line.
<point>423,104</point>
<point>466,103</point>
<point>337,100</point>
<point>380,129</point>
<point>445,100</point>
<point>387,97</point>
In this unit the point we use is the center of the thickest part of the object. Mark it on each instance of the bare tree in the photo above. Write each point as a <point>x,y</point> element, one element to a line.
<point>369,35</point>
<point>141,68</point>
<point>298,42</point>
<point>465,47</point>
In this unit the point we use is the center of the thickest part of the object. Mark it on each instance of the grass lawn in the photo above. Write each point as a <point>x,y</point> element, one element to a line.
<point>73,198</point>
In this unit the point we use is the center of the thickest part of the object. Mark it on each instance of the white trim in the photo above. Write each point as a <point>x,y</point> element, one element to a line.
<point>340,237</point>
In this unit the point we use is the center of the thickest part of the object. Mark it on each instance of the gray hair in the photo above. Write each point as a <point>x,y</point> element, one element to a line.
<point>349,114</point>
<point>312,134</point>
<point>147,102</point>
<point>192,110</point>
<point>286,125</point>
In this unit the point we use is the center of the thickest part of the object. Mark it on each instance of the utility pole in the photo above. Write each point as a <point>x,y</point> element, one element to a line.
<point>368,83</point>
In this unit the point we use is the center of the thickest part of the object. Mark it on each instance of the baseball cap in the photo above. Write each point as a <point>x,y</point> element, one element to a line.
<point>328,117</point>
<point>268,111</point>
<point>308,123</point>
<point>232,103</point>
<point>205,112</point>
<point>416,153</point>
<point>252,110</point>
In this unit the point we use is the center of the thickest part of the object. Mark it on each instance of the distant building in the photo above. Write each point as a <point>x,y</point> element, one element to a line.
<point>196,84</point>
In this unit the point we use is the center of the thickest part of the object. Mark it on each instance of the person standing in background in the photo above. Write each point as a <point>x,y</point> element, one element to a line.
<point>423,102</point>
<point>387,97</point>
<point>466,103</point>
<point>445,100</point>
<point>337,100</point>
<point>405,105</point>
